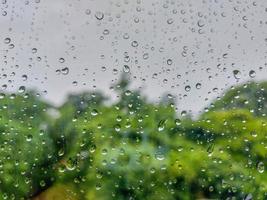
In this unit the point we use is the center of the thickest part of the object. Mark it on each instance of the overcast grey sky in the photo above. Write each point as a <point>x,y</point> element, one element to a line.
<point>167,45</point>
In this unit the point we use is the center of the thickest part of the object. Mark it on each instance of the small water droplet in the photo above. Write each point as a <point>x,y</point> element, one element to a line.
<point>161,125</point>
<point>198,85</point>
<point>187,88</point>
<point>94,112</point>
<point>99,15</point>
<point>7,40</point>
<point>169,62</point>
<point>87,11</point>
<point>252,74</point>
<point>22,89</point>
<point>237,74</point>
<point>65,70</point>
<point>29,138</point>
<point>177,122</point>
<point>61,60</point>
<point>134,43</point>
<point>126,68</point>
<point>260,167</point>
<point>159,155</point>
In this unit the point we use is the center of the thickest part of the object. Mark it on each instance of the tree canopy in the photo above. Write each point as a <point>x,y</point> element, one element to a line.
<point>133,148</point>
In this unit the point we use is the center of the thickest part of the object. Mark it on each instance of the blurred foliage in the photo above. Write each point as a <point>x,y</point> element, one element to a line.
<point>133,149</point>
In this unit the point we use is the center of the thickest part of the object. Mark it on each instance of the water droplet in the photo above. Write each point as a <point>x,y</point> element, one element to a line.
<point>159,155</point>
<point>87,11</point>
<point>210,149</point>
<point>74,83</point>
<point>154,76</point>
<point>4,13</point>
<point>65,70</point>
<point>187,88</point>
<point>103,68</point>
<point>22,89</point>
<point>237,74</point>
<point>161,125</point>
<point>98,186</point>
<point>200,23</point>
<point>126,68</point>
<point>106,32</point>
<point>117,127</point>
<point>169,21</point>
<point>92,148</point>
<point>253,134</point>
<point>34,50</point>
<point>94,112</point>
<point>146,56</point>
<point>7,40</point>
<point>134,43</point>
<point>2,95</point>
<point>198,85</point>
<point>128,92</point>
<point>29,138</point>
<point>71,164</point>
<point>126,36</point>
<point>99,15</point>
<point>169,62</point>
<point>24,77</point>
<point>252,74</point>
<point>61,60</point>
<point>177,122</point>
<point>260,167</point>
<point>61,152</point>
<point>42,183</point>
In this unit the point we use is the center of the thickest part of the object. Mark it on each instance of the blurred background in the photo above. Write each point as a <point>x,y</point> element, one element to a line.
<point>120,99</point>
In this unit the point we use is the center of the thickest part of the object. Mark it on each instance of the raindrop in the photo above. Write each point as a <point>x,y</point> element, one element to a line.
<point>98,186</point>
<point>210,149</point>
<point>187,88</point>
<point>126,68</point>
<point>65,71</point>
<point>161,125</point>
<point>146,56</point>
<point>24,77</point>
<point>29,138</point>
<point>106,32</point>
<point>7,40</point>
<point>200,23</point>
<point>94,112</point>
<point>169,62</point>
<point>99,15</point>
<point>159,155</point>
<point>87,11</point>
<point>61,60</point>
<point>117,127</point>
<point>22,89</point>
<point>260,167</point>
<point>134,43</point>
<point>177,122</point>
<point>126,36</point>
<point>71,164</point>
<point>252,74</point>
<point>169,21</point>
<point>198,85</point>
<point>237,74</point>
<point>34,50</point>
